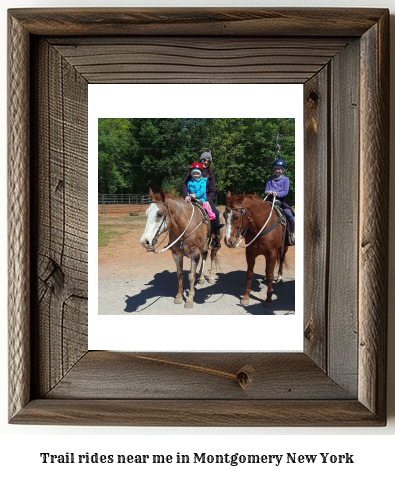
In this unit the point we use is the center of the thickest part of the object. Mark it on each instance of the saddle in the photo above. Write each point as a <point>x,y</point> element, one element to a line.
<point>283,220</point>
<point>199,205</point>
<point>280,205</point>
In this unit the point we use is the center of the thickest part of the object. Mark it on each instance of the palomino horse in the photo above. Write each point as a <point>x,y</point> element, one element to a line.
<point>187,232</point>
<point>248,216</point>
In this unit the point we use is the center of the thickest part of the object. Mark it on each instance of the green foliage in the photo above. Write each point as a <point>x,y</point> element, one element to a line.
<point>135,153</point>
<point>115,148</point>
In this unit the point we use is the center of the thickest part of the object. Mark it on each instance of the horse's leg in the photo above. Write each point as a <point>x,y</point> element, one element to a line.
<point>271,259</point>
<point>211,279</point>
<point>250,272</point>
<point>201,274</point>
<point>192,276</point>
<point>280,269</point>
<point>180,275</point>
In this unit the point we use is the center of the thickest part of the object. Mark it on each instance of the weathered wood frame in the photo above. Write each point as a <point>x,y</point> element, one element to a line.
<point>342,58</point>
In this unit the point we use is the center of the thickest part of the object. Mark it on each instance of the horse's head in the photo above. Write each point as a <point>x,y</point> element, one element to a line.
<point>235,219</point>
<point>157,220</point>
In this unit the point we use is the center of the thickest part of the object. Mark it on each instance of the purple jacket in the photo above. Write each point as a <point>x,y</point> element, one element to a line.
<point>210,190</point>
<point>278,185</point>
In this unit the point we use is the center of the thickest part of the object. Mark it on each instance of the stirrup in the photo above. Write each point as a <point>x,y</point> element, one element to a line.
<point>291,239</point>
<point>215,243</point>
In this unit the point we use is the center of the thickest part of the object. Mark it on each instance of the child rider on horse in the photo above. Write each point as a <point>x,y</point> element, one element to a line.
<point>206,161</point>
<point>196,189</point>
<point>277,187</point>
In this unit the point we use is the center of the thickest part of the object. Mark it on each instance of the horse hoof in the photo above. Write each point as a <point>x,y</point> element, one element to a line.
<point>178,301</point>
<point>188,305</point>
<point>268,305</point>
<point>245,302</point>
<point>211,280</point>
<point>201,281</point>
<point>279,280</point>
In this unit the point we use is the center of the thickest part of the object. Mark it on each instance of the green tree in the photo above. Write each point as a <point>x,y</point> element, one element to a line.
<point>138,153</point>
<point>115,145</point>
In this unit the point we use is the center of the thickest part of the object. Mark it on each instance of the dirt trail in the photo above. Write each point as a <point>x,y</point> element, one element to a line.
<point>132,281</point>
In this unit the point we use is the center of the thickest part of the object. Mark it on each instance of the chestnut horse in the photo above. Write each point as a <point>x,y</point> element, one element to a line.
<point>187,231</point>
<point>250,217</point>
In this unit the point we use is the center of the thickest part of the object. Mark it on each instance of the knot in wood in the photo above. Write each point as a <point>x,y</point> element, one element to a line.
<point>244,376</point>
<point>308,332</point>
<point>313,96</point>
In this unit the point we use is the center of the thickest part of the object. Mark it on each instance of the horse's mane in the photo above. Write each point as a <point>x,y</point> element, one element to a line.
<point>174,198</point>
<point>172,195</point>
<point>179,200</point>
<point>254,197</point>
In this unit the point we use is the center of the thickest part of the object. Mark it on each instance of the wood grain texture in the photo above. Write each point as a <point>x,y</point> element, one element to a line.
<point>373,231</point>
<point>204,375</point>
<point>191,59</point>
<point>317,387</point>
<point>61,228</point>
<point>316,185</point>
<point>18,217</point>
<point>202,413</point>
<point>260,22</point>
<point>343,219</point>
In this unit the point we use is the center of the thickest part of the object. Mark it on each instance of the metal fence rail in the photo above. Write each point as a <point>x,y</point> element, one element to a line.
<point>124,199</point>
<point>135,200</point>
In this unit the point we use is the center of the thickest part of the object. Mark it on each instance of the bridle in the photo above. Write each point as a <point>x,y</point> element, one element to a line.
<point>158,233</point>
<point>239,227</point>
<point>244,232</point>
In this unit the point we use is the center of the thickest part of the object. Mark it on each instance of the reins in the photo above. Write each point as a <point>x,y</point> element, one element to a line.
<point>157,234</point>
<point>245,230</point>
<point>198,225</point>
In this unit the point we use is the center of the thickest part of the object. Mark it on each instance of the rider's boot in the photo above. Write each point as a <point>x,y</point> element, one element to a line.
<point>291,229</point>
<point>216,238</point>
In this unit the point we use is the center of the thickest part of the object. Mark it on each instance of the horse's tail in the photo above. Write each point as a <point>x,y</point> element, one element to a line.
<point>217,261</point>
<point>281,254</point>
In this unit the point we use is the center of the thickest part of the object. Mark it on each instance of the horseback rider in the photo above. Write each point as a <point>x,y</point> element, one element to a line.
<point>207,173</point>
<point>196,187</point>
<point>277,188</point>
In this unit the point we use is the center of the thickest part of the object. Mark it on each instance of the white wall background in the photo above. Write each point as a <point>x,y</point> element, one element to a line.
<point>372,448</point>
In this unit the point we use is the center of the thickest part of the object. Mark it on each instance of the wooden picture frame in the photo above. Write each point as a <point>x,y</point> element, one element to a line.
<point>342,58</point>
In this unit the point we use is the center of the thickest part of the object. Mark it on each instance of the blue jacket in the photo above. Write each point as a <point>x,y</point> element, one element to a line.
<point>210,189</point>
<point>198,188</point>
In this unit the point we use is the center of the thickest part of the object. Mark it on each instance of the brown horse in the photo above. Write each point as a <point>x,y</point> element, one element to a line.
<point>187,231</point>
<point>250,217</point>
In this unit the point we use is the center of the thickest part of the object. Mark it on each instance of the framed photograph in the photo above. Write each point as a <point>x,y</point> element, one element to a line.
<point>340,60</point>
<point>155,148</point>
